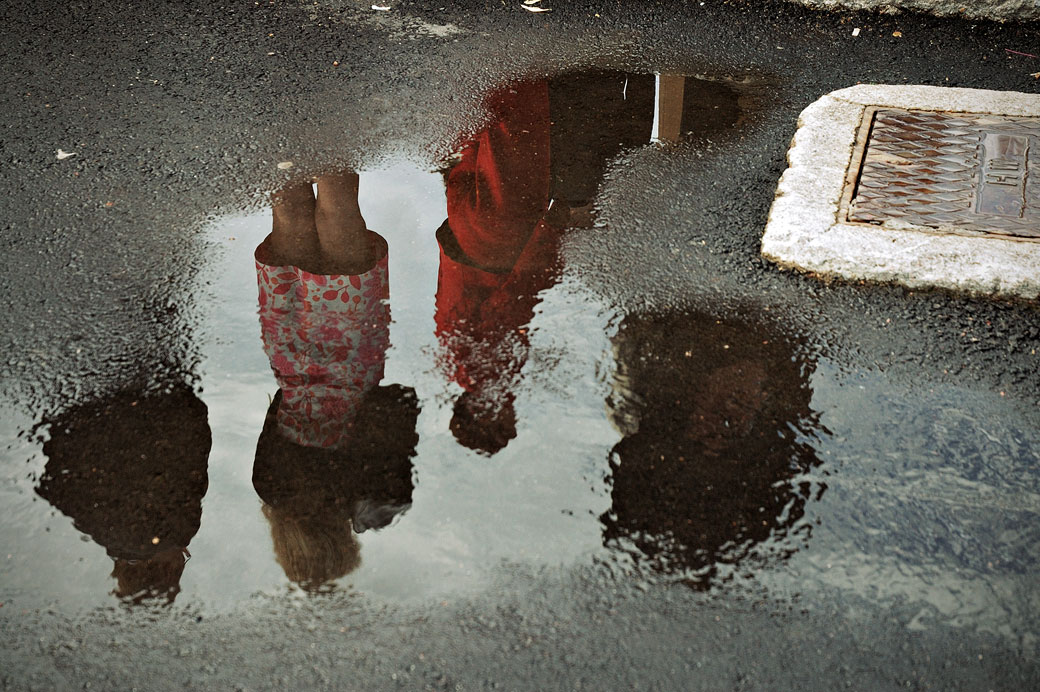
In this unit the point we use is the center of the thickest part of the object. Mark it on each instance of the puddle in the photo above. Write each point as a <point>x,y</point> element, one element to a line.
<point>430,399</point>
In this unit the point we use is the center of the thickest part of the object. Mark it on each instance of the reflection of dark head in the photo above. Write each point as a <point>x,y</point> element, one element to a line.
<point>130,471</point>
<point>483,424</point>
<point>710,412</point>
<point>315,499</point>
<point>155,579</point>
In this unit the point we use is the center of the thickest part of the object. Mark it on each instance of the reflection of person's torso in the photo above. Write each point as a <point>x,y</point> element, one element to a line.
<point>497,251</point>
<point>326,338</point>
<point>131,472</point>
<point>710,412</point>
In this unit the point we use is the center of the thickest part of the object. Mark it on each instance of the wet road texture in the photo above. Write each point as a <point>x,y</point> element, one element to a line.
<point>430,348</point>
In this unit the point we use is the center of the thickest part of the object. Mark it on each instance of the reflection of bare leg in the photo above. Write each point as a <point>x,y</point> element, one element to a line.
<point>345,244</point>
<point>670,89</point>
<point>294,239</point>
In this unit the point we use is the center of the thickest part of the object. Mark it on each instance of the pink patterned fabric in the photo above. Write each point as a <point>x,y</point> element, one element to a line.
<point>326,337</point>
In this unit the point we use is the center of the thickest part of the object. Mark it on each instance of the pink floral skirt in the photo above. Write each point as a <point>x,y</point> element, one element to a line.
<point>326,337</point>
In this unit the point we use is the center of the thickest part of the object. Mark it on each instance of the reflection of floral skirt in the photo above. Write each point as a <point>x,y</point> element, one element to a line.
<point>326,337</point>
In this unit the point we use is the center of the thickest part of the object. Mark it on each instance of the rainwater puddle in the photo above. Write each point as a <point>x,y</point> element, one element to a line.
<point>433,510</point>
<point>422,397</point>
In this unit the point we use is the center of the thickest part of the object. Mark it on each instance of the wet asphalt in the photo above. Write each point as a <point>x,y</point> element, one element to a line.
<point>180,113</point>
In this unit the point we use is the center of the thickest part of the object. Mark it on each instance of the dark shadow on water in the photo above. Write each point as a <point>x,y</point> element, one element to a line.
<point>316,499</point>
<point>131,472</point>
<point>597,115</point>
<point>715,415</point>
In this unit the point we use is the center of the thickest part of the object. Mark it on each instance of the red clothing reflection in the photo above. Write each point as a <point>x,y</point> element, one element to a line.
<point>497,253</point>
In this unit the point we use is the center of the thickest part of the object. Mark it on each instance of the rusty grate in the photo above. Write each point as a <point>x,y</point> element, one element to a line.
<point>957,172</point>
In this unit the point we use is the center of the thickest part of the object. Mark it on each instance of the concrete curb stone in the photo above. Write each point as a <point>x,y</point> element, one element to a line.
<point>804,230</point>
<point>999,10</point>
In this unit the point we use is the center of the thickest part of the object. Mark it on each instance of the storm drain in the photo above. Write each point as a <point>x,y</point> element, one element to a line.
<point>962,171</point>
<point>921,185</point>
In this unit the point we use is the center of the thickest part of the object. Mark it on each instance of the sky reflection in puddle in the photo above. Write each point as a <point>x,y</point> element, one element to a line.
<point>468,511</point>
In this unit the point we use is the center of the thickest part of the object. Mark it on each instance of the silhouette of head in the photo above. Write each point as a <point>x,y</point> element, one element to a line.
<point>711,413</point>
<point>316,499</point>
<point>131,472</point>
<point>156,579</point>
<point>314,545</point>
<point>484,424</point>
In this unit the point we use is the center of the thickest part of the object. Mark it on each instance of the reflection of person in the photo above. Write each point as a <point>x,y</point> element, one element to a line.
<point>497,253</point>
<point>324,314</point>
<point>316,499</point>
<point>131,473</point>
<point>334,455</point>
<point>531,173</point>
<point>710,412</point>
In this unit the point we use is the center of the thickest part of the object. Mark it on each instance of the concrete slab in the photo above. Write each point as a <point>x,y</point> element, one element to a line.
<point>809,226</point>
<point>1000,10</point>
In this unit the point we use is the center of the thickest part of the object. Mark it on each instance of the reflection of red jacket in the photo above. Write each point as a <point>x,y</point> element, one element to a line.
<point>497,252</point>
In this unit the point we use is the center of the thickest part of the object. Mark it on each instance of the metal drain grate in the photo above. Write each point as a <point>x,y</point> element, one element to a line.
<point>957,172</point>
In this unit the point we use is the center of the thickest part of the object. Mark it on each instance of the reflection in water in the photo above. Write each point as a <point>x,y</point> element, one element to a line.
<point>131,473</point>
<point>531,173</point>
<point>713,415</point>
<point>936,511</point>
<point>335,453</point>
<point>497,252</point>
<point>316,499</point>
